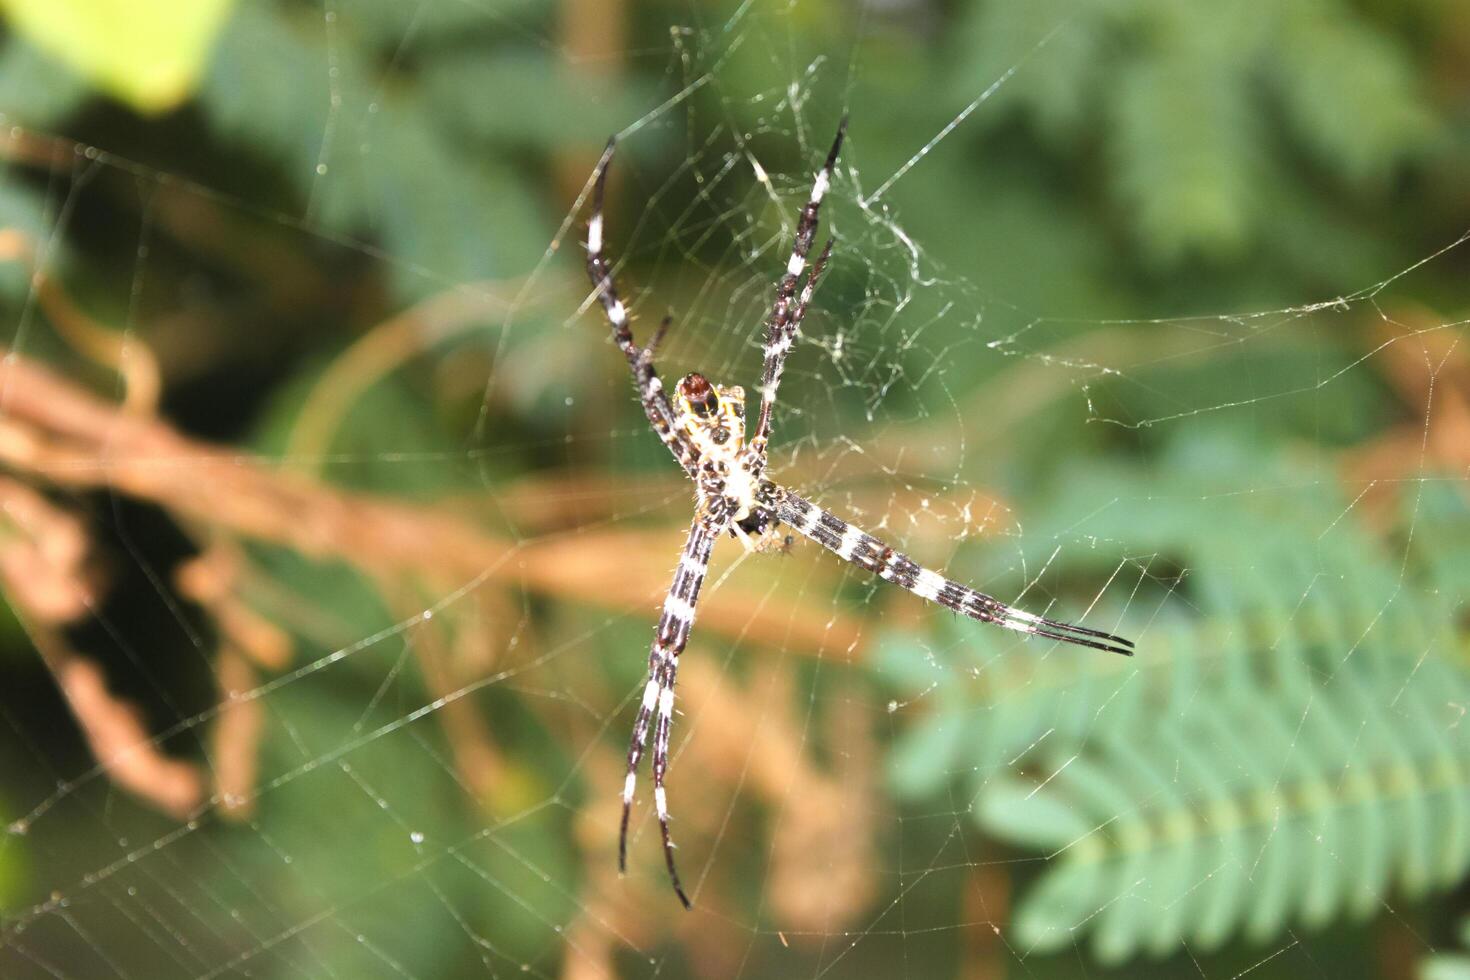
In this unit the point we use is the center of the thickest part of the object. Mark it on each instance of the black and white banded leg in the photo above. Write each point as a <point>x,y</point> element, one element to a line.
<point>670,637</point>
<point>789,307</point>
<point>640,359</point>
<point>851,543</point>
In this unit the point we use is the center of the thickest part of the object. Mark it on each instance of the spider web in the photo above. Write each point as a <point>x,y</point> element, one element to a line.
<point>329,671</point>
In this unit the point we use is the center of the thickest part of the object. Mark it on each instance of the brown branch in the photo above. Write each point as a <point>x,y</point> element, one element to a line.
<point>116,734</point>
<point>213,581</point>
<point>478,762</point>
<point>987,910</point>
<point>117,350</point>
<point>247,641</point>
<point>236,734</point>
<point>53,430</point>
<point>43,557</point>
<point>823,843</point>
<point>49,580</point>
<point>381,350</point>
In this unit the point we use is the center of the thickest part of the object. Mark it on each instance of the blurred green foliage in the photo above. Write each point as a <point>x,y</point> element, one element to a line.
<point>1449,966</point>
<point>1282,756</point>
<point>1197,109</point>
<point>1286,754</point>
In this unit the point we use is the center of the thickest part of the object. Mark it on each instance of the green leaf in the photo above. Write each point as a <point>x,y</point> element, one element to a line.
<point>923,759</point>
<point>372,161</point>
<point>1326,60</point>
<point>147,53</point>
<point>1202,111</point>
<point>23,213</point>
<point>523,97</point>
<point>32,89</point>
<point>1285,748</point>
<point>1061,47</point>
<point>14,864</point>
<point>1011,808</point>
<point>909,663</point>
<point>357,815</point>
<point>1185,154</point>
<point>1320,816</point>
<point>1445,968</point>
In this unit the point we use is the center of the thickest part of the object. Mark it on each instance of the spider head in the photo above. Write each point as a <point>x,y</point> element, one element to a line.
<point>698,397</point>
<point>714,415</point>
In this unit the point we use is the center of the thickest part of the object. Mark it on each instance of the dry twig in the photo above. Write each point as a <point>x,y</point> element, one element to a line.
<point>54,431</point>
<point>116,734</point>
<point>45,567</point>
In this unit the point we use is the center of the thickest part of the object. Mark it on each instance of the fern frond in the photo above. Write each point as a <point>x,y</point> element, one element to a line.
<point>1245,814</point>
<point>1323,60</point>
<point>1183,97</point>
<point>1059,80</point>
<point>1287,747</point>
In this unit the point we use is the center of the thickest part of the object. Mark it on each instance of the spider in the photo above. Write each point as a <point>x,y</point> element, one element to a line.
<point>703,426</point>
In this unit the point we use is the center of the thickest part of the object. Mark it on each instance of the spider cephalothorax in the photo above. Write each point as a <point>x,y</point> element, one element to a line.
<point>713,416</point>
<point>733,494</point>
<point>704,427</point>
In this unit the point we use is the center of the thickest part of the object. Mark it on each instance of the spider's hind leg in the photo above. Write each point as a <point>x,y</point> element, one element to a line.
<point>670,638</point>
<point>657,672</point>
<point>853,544</point>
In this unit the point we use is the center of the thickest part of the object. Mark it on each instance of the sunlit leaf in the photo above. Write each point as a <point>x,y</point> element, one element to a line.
<point>147,53</point>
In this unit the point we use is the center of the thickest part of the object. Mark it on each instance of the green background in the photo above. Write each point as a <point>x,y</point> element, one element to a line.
<point>1165,334</point>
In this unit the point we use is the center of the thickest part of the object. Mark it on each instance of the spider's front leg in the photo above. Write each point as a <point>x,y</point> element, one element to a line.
<point>791,305</point>
<point>640,359</point>
<point>670,638</point>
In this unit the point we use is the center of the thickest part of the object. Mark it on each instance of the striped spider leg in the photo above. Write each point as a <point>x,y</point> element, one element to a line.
<point>789,309</point>
<point>640,359</point>
<point>852,544</point>
<point>669,639</point>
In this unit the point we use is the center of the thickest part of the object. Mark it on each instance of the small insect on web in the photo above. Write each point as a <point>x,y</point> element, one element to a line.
<point>703,426</point>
